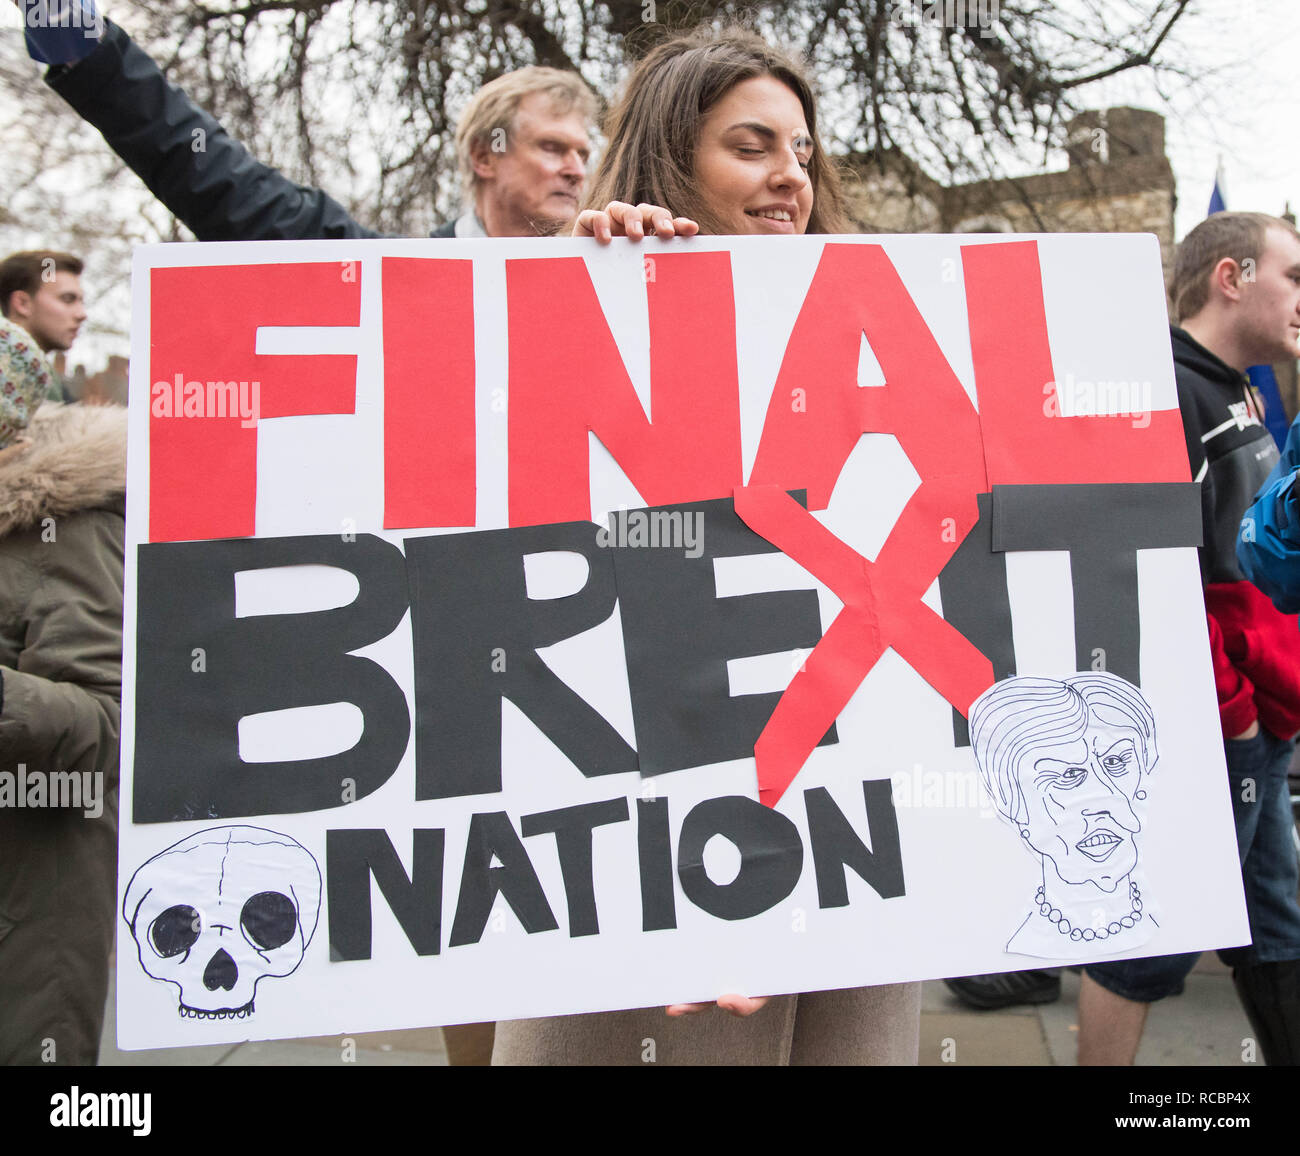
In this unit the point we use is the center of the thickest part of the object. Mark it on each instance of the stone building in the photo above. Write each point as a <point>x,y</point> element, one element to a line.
<point>1119,180</point>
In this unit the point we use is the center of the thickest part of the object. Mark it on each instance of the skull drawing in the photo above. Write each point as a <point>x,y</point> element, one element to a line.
<point>219,911</point>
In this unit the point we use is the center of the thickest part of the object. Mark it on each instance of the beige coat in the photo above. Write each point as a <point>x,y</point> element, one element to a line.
<point>61,546</point>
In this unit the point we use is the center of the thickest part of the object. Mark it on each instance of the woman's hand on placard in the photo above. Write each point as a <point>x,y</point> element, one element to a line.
<point>619,219</point>
<point>737,1005</point>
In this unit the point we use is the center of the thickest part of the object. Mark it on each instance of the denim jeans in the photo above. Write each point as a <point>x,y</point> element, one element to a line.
<point>1261,809</point>
<point>1261,806</point>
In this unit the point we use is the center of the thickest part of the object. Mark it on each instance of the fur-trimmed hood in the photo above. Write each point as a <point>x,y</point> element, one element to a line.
<point>77,461</point>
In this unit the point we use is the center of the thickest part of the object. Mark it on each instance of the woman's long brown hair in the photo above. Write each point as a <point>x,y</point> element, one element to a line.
<point>654,129</point>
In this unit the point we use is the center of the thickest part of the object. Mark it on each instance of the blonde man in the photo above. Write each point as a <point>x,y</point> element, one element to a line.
<point>523,145</point>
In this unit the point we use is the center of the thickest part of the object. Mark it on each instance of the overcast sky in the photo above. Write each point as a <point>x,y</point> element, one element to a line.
<point>1243,106</point>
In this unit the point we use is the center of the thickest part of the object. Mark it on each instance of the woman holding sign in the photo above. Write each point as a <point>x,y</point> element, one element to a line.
<point>721,129</point>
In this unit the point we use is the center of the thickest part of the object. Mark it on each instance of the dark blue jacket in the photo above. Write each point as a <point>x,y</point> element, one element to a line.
<point>1268,544</point>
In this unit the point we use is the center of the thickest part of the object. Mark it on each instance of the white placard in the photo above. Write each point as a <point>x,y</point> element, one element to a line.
<point>573,821</point>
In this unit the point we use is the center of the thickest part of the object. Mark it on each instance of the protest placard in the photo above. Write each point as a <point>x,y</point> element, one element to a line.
<point>525,627</point>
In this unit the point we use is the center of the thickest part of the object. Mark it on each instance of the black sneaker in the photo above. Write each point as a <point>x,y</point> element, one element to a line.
<point>987,992</point>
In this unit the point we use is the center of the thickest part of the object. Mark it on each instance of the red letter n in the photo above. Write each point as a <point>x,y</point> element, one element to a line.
<point>567,377</point>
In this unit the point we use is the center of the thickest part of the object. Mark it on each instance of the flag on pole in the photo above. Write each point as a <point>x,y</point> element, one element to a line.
<point>1218,199</point>
<point>1262,379</point>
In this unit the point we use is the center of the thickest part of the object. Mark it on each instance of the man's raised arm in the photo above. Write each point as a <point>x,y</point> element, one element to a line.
<point>184,156</point>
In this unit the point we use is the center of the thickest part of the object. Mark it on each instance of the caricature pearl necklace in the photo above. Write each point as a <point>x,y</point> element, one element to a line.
<point>1086,934</point>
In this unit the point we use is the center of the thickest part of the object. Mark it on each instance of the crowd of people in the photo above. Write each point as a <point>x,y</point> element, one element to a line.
<point>716,132</point>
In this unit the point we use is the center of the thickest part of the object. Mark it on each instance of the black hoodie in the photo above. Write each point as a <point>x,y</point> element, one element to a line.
<point>1230,450</point>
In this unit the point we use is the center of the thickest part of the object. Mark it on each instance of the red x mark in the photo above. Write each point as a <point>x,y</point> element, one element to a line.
<point>882,608</point>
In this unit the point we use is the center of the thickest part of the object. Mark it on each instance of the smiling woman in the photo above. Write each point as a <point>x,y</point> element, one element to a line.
<point>720,130</point>
<point>753,157</point>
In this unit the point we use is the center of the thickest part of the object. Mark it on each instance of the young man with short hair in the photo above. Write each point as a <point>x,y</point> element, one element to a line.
<point>40,290</point>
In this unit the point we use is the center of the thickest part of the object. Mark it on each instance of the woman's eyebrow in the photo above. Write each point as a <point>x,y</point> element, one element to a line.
<point>755,126</point>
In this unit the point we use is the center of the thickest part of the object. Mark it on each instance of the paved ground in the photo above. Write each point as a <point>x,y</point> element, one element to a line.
<point>1203,1026</point>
